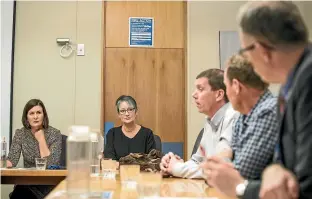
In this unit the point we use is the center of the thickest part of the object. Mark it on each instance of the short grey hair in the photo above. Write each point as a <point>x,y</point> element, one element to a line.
<point>279,23</point>
<point>126,98</point>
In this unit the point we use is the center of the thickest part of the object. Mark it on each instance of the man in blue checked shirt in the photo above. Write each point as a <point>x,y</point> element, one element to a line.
<point>255,132</point>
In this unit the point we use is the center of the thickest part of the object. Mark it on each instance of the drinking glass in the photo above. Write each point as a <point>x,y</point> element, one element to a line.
<point>41,163</point>
<point>129,175</point>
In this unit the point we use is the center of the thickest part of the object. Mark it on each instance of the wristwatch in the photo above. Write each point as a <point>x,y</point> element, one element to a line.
<point>240,189</point>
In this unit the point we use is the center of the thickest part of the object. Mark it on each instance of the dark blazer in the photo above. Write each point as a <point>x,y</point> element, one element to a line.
<point>296,130</point>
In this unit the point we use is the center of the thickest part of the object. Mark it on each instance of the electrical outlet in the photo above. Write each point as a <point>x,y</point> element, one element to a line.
<point>80,50</point>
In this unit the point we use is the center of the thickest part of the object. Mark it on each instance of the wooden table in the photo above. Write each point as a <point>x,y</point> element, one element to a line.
<point>32,176</point>
<point>170,187</point>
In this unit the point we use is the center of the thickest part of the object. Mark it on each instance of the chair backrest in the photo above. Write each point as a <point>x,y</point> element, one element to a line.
<point>63,153</point>
<point>158,142</point>
<point>198,139</point>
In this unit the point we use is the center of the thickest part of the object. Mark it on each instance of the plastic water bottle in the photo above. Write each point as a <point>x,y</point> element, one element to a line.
<point>78,162</point>
<point>3,153</point>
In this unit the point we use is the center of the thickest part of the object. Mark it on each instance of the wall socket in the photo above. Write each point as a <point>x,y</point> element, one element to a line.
<point>80,50</point>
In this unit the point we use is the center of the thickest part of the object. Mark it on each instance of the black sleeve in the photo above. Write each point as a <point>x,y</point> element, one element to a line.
<point>109,150</point>
<point>252,190</point>
<point>150,144</point>
<point>303,161</point>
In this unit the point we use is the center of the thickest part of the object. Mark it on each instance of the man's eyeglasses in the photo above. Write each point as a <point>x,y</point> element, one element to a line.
<point>129,110</point>
<point>252,46</point>
<point>248,48</point>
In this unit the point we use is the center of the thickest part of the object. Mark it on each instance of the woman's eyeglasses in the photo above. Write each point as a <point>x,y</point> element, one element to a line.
<point>129,110</point>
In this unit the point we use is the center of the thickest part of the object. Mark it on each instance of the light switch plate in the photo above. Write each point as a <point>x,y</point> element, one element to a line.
<point>80,50</point>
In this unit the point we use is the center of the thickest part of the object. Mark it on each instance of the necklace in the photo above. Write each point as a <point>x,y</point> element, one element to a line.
<point>129,130</point>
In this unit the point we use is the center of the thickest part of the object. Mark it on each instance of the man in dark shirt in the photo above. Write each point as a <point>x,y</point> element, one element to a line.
<point>275,39</point>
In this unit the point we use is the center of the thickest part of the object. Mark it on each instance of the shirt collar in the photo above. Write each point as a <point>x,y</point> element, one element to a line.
<point>218,116</point>
<point>247,118</point>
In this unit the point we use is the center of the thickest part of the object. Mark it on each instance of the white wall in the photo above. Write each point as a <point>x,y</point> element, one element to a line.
<point>307,7</point>
<point>5,74</point>
<point>70,88</point>
<point>6,55</point>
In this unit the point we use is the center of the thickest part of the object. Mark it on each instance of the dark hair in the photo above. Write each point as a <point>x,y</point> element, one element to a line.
<point>126,98</point>
<point>238,67</point>
<point>279,23</point>
<point>29,105</point>
<point>215,80</point>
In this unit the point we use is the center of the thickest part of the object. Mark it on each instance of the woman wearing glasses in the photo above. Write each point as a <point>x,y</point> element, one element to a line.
<point>130,137</point>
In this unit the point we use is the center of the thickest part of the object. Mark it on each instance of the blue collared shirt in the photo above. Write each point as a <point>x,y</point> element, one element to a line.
<point>255,136</point>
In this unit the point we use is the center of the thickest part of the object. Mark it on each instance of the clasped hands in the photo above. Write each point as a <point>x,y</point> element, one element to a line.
<point>167,163</point>
<point>277,182</point>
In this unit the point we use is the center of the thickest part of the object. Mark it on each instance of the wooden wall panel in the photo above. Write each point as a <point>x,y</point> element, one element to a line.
<point>169,22</point>
<point>154,77</point>
<point>171,105</point>
<point>126,74</point>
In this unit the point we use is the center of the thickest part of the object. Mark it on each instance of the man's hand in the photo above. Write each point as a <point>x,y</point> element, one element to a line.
<point>167,163</point>
<point>164,164</point>
<point>174,159</point>
<point>221,175</point>
<point>278,183</point>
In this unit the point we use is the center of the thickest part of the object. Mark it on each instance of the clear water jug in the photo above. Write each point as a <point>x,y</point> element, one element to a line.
<point>78,162</point>
<point>97,149</point>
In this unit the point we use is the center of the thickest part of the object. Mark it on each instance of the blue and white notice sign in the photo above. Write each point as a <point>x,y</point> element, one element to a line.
<point>141,31</point>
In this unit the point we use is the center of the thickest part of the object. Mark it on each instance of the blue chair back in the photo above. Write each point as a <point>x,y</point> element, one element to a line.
<point>158,143</point>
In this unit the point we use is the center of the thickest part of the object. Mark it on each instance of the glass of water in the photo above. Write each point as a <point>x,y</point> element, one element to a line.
<point>129,175</point>
<point>109,168</point>
<point>41,163</point>
<point>149,185</point>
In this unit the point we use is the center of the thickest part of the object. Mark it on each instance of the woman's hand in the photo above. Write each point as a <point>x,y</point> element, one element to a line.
<point>9,164</point>
<point>43,147</point>
<point>39,135</point>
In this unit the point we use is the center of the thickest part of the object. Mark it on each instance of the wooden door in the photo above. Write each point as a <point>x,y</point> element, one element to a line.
<point>155,77</point>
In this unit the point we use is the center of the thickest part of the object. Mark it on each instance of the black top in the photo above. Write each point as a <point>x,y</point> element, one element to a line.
<point>118,145</point>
